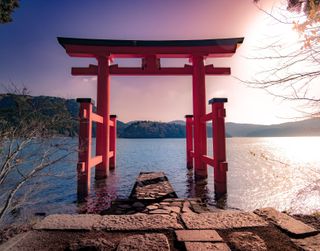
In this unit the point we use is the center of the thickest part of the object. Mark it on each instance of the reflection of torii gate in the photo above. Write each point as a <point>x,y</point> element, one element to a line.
<point>150,52</point>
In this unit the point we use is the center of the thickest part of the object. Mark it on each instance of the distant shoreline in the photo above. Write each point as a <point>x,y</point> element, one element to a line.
<point>48,106</point>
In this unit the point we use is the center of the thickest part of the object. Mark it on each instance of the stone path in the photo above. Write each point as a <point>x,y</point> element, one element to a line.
<point>152,186</point>
<point>176,227</point>
<point>144,242</point>
<point>222,220</point>
<point>168,224</point>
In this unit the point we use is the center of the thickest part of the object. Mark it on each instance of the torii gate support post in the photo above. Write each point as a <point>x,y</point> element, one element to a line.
<point>189,140</point>
<point>219,145</point>
<point>84,154</point>
<point>199,111</point>
<point>103,109</point>
<point>113,143</point>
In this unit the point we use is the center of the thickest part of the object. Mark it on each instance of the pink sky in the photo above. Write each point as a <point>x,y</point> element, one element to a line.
<point>36,60</point>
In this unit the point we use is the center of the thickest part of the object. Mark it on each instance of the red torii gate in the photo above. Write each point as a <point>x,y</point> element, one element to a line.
<point>150,52</point>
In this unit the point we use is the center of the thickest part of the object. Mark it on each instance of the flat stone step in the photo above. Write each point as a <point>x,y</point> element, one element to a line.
<point>108,222</point>
<point>144,242</point>
<point>288,224</point>
<point>199,246</point>
<point>152,186</point>
<point>222,220</point>
<point>68,222</point>
<point>138,222</point>
<point>198,235</point>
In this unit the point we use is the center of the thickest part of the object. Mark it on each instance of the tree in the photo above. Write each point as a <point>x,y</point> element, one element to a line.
<point>293,70</point>
<point>29,144</point>
<point>7,7</point>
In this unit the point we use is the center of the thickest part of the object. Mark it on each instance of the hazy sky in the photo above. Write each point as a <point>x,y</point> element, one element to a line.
<point>30,54</point>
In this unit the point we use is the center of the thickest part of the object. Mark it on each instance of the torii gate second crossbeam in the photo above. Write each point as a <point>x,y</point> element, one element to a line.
<point>150,53</point>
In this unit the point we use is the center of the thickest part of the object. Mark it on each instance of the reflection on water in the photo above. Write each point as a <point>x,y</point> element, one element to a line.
<point>196,187</point>
<point>303,150</point>
<point>279,172</point>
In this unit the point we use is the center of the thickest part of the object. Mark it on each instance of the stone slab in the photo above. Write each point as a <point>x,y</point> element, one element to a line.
<point>186,207</point>
<point>159,211</point>
<point>152,207</point>
<point>91,244</point>
<point>144,242</point>
<point>290,225</point>
<point>150,176</point>
<point>154,191</point>
<point>137,222</point>
<point>222,220</point>
<point>171,200</point>
<point>206,246</point>
<point>309,243</point>
<point>197,208</point>
<point>172,209</point>
<point>175,204</point>
<point>198,235</point>
<point>16,243</point>
<point>68,222</point>
<point>247,241</point>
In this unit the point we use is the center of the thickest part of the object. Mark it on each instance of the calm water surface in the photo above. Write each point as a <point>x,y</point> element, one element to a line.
<point>279,172</point>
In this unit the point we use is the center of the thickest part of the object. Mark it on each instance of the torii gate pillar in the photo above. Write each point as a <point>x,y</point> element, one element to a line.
<point>103,109</point>
<point>199,111</point>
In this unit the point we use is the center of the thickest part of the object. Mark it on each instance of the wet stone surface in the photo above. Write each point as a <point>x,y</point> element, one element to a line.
<point>152,186</point>
<point>166,206</point>
<point>154,191</point>
<point>146,178</point>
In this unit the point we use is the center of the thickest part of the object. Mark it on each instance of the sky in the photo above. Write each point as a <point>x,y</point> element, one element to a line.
<point>31,56</point>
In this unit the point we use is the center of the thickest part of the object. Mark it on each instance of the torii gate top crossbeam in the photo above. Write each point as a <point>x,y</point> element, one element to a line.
<point>77,47</point>
<point>150,52</point>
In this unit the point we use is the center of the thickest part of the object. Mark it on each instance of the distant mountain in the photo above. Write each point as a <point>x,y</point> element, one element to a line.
<point>242,130</point>
<point>178,122</point>
<point>151,129</point>
<point>11,105</point>
<point>309,127</point>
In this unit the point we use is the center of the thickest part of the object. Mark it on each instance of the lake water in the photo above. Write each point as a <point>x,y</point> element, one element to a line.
<point>278,172</point>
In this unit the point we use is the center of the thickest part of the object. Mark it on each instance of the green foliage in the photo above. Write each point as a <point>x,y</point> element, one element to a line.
<point>151,129</point>
<point>59,116</point>
<point>7,7</point>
